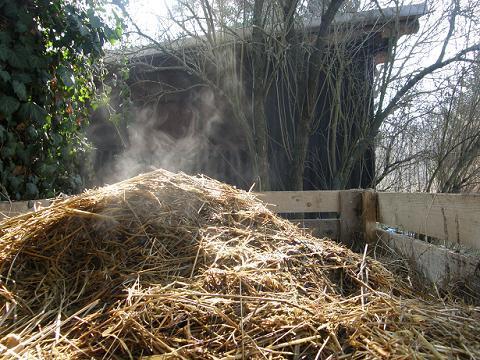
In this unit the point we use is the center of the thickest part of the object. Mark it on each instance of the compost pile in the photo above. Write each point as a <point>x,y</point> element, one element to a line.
<point>186,267</point>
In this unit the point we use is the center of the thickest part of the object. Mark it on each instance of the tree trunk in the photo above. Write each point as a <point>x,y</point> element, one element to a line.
<point>304,124</point>
<point>259,92</point>
<point>261,140</point>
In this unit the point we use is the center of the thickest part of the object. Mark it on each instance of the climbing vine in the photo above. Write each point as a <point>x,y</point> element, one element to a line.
<point>50,53</point>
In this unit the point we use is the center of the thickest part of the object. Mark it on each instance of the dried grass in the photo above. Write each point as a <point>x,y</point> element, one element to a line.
<point>190,268</point>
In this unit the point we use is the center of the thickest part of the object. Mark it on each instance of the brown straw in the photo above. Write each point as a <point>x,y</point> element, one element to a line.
<point>169,266</point>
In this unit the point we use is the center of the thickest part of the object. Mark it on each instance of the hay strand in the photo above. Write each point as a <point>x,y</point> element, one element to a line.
<point>169,266</point>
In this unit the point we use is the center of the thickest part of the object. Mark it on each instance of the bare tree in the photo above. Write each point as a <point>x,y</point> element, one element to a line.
<point>247,51</point>
<point>438,150</point>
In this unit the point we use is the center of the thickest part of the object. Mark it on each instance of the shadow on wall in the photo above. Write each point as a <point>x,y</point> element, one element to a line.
<point>193,135</point>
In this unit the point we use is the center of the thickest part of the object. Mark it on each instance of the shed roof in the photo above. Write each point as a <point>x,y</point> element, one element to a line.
<point>388,21</point>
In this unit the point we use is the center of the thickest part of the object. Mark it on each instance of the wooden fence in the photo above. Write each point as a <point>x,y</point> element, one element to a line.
<point>454,218</point>
<point>451,217</point>
<point>362,217</point>
<point>341,210</point>
<point>353,215</point>
<point>355,218</point>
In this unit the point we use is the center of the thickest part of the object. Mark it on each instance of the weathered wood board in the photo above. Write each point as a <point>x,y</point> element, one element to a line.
<point>452,217</point>
<point>439,265</point>
<point>301,201</point>
<point>321,227</point>
<point>9,209</point>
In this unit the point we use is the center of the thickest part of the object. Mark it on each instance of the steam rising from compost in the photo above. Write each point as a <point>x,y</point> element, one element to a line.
<point>180,124</point>
<point>175,137</point>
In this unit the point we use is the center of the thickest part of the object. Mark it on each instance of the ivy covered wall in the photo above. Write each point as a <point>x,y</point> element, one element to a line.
<point>50,51</point>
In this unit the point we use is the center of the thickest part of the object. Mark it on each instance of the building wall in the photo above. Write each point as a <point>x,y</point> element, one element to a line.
<point>181,124</point>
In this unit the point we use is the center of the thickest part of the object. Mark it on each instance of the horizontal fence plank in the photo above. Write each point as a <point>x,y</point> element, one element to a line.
<point>14,208</point>
<point>277,201</point>
<point>301,201</point>
<point>452,217</point>
<point>321,227</point>
<point>439,265</point>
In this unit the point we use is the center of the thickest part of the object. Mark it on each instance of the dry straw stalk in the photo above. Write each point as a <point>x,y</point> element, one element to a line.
<point>169,266</point>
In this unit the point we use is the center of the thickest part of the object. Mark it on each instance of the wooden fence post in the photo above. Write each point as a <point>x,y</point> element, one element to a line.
<point>351,227</point>
<point>369,216</point>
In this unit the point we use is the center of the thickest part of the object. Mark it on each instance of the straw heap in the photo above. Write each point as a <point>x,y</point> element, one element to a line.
<point>190,268</point>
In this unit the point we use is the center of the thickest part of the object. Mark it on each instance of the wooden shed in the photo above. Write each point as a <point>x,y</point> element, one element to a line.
<point>182,123</point>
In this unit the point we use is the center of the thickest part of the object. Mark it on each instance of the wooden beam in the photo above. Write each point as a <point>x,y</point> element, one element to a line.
<point>321,227</point>
<point>439,265</point>
<point>301,201</point>
<point>351,229</point>
<point>452,217</point>
<point>369,216</point>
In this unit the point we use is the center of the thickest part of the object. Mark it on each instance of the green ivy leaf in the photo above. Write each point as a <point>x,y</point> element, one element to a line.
<point>111,35</point>
<point>66,76</point>
<point>95,21</point>
<point>4,75</point>
<point>21,154</point>
<point>8,105</point>
<point>15,182</point>
<point>37,61</point>
<point>119,32</point>
<point>20,27</point>
<point>32,132</point>
<point>10,9</point>
<point>18,58</point>
<point>5,38</point>
<point>2,133</point>
<point>31,189</point>
<point>48,170</point>
<point>19,89</point>
<point>22,77</point>
<point>4,51</point>
<point>77,22</point>
<point>56,138</point>
<point>34,112</point>
<point>8,151</point>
